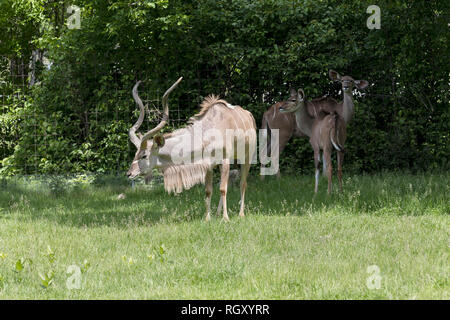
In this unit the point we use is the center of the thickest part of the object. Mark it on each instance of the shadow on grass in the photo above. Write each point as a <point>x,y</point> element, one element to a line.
<point>96,206</point>
<point>90,206</point>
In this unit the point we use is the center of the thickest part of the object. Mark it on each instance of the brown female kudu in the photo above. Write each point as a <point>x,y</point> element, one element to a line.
<point>187,156</point>
<point>300,124</point>
<point>325,131</point>
<point>293,124</point>
<point>345,108</point>
<point>285,123</point>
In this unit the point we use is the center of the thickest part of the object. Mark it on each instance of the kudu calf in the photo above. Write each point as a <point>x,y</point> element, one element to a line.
<point>299,124</point>
<point>325,130</point>
<point>188,156</point>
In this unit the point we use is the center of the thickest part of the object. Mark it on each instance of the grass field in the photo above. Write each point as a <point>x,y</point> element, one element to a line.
<point>290,245</point>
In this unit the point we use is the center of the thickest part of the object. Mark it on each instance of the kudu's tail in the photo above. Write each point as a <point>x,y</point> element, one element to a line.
<point>334,133</point>
<point>265,126</point>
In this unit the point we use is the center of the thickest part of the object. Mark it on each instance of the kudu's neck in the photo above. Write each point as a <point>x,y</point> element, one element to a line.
<point>303,120</point>
<point>348,107</point>
<point>183,146</point>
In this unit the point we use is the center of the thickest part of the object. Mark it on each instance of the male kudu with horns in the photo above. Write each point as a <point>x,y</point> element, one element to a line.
<point>214,136</point>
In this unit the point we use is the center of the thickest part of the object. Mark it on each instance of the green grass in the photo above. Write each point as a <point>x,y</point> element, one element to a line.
<point>290,245</point>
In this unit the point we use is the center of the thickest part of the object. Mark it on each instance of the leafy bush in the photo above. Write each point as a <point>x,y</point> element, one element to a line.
<point>250,52</point>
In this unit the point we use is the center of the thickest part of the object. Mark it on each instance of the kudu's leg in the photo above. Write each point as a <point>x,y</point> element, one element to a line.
<point>327,156</point>
<point>208,192</point>
<point>283,140</point>
<point>225,171</point>
<point>148,178</point>
<point>340,161</point>
<point>317,168</point>
<point>219,207</point>
<point>265,148</point>
<point>244,173</point>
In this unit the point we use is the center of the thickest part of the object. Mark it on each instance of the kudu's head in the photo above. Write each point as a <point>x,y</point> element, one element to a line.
<point>348,82</point>
<point>295,102</point>
<point>147,144</point>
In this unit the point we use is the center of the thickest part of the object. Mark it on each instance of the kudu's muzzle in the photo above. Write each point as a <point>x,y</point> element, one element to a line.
<point>134,170</point>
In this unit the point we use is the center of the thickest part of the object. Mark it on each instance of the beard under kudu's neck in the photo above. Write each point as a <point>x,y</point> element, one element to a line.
<point>181,161</point>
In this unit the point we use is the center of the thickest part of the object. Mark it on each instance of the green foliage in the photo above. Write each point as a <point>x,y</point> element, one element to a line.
<point>19,265</point>
<point>159,252</point>
<point>20,24</point>
<point>47,278</point>
<point>251,52</point>
<point>85,266</point>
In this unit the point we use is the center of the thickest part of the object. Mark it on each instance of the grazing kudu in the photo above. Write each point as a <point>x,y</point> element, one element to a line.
<point>188,156</point>
<point>324,130</point>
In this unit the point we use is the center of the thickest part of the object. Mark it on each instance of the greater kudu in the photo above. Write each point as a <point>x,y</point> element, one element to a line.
<point>345,108</point>
<point>293,124</point>
<point>301,124</point>
<point>325,130</point>
<point>204,144</point>
<point>285,123</point>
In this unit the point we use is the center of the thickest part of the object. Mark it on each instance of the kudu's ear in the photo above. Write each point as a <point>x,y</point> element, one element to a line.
<point>361,84</point>
<point>143,145</point>
<point>301,94</point>
<point>159,140</point>
<point>292,92</point>
<point>334,75</point>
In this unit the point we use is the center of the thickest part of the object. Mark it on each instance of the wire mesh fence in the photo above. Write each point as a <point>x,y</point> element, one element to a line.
<point>15,88</point>
<point>91,118</point>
